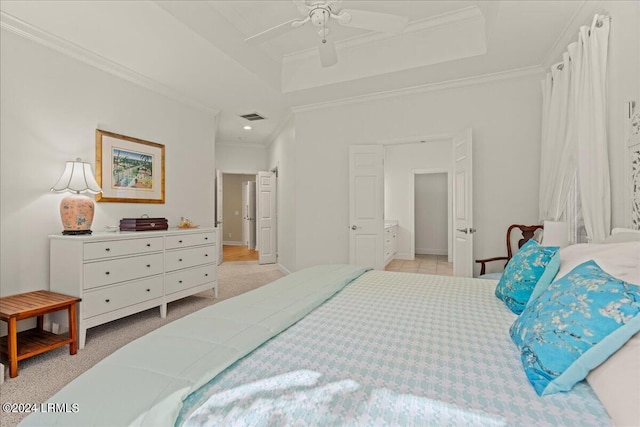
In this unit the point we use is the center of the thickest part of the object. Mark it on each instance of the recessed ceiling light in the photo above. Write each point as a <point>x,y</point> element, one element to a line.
<point>247,127</point>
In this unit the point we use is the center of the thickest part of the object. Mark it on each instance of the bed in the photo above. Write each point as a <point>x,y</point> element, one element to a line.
<point>329,345</point>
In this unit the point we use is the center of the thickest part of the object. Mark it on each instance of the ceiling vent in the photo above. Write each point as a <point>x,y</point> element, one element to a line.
<point>252,117</point>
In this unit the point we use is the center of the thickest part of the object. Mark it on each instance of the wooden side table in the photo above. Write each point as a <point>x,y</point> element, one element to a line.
<point>19,346</point>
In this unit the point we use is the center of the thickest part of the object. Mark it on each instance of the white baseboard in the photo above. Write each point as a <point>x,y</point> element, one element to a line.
<point>427,251</point>
<point>233,243</point>
<point>404,255</point>
<point>283,270</point>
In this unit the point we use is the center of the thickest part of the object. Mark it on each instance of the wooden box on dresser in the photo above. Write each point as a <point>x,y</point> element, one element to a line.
<point>119,274</point>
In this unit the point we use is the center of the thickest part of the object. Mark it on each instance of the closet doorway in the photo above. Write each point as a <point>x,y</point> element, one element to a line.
<point>432,223</point>
<point>238,212</point>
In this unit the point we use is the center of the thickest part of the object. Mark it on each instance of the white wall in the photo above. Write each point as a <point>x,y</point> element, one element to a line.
<point>431,213</point>
<point>400,162</point>
<point>50,108</point>
<point>238,158</point>
<point>505,118</point>
<point>282,154</point>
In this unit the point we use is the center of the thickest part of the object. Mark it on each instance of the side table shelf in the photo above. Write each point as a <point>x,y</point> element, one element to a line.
<point>20,346</point>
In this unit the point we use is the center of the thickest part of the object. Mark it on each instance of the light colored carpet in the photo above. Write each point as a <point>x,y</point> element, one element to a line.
<point>42,376</point>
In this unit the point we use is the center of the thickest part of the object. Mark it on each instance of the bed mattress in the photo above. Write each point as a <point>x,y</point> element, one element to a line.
<point>391,349</point>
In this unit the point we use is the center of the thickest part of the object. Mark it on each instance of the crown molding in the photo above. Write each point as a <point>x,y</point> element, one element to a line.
<point>468,81</point>
<point>47,39</point>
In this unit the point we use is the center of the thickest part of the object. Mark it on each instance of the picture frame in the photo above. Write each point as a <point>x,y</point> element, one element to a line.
<point>129,170</point>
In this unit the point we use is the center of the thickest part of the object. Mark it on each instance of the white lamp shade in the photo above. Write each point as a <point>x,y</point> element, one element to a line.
<point>556,233</point>
<point>77,177</point>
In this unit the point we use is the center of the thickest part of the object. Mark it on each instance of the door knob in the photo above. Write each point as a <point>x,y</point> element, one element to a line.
<point>466,230</point>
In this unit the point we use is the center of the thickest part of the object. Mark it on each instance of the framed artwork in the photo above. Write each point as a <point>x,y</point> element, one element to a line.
<point>129,170</point>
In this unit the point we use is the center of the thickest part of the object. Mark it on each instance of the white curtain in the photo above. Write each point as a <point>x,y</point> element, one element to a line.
<point>591,126</point>
<point>574,166</point>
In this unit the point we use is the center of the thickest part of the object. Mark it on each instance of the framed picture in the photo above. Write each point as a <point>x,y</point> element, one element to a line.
<point>129,170</point>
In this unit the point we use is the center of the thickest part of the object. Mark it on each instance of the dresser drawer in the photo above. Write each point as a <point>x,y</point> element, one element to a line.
<point>185,258</point>
<point>107,272</point>
<point>185,240</point>
<point>115,248</point>
<point>103,301</point>
<point>185,279</point>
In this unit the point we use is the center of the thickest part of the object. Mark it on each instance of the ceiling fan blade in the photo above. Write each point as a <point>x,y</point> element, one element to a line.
<point>373,21</point>
<point>262,37</point>
<point>328,55</point>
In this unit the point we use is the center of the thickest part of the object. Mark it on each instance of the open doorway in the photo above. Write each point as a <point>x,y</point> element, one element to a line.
<point>238,214</point>
<point>432,223</point>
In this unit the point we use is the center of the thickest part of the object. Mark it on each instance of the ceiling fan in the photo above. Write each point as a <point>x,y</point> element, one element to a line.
<point>321,12</point>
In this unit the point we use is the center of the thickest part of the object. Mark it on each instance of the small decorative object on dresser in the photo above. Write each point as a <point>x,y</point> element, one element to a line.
<point>120,274</point>
<point>76,210</point>
<point>143,224</point>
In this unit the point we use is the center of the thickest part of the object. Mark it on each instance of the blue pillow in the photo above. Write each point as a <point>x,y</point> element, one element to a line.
<point>547,277</point>
<point>574,325</point>
<point>523,271</point>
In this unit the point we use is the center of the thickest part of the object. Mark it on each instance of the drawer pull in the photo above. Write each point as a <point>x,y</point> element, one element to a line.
<point>107,300</point>
<point>148,265</point>
<point>106,272</point>
<point>180,259</point>
<point>206,254</point>
<point>107,249</point>
<point>206,238</point>
<point>148,290</point>
<point>148,245</point>
<point>206,274</point>
<point>179,281</point>
<point>179,241</point>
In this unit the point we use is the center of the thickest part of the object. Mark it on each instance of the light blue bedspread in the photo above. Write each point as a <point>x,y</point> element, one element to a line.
<point>391,349</point>
<point>145,382</point>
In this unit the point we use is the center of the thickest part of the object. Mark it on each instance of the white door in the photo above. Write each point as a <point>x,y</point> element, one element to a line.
<point>366,205</point>
<point>219,214</point>
<point>463,205</point>
<point>245,213</point>
<point>266,224</point>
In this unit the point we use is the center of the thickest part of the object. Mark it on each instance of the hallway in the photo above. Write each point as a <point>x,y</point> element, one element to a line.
<point>238,253</point>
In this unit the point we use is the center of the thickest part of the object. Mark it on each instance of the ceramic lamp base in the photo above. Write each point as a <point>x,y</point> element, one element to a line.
<point>76,212</point>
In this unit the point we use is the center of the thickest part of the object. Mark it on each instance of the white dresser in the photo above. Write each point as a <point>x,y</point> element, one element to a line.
<point>119,274</point>
<point>390,240</point>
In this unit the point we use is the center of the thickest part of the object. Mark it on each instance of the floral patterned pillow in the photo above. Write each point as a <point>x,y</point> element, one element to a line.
<point>524,270</point>
<point>575,325</point>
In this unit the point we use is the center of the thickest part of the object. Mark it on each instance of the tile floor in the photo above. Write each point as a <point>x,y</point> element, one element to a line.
<point>425,264</point>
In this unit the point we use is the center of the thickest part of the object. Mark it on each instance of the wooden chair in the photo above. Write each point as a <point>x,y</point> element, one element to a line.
<point>527,231</point>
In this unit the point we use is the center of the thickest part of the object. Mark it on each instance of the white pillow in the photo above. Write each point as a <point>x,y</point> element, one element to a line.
<point>621,260</point>
<point>622,237</point>
<point>616,381</point>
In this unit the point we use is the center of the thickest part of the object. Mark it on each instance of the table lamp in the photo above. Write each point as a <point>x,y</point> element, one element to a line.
<point>76,210</point>
<point>556,233</point>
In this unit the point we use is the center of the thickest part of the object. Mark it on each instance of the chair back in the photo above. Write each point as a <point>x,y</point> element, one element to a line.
<point>527,231</point>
